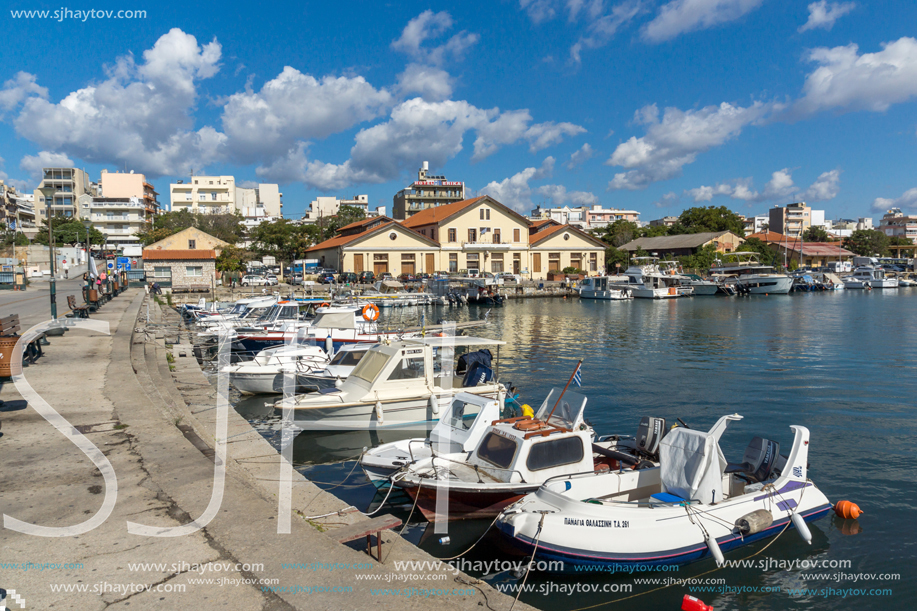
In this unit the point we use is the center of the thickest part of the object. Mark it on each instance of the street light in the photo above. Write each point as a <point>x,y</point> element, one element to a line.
<point>48,193</point>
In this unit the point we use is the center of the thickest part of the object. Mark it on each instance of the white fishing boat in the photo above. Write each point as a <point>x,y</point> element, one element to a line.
<point>693,506</point>
<point>514,458</point>
<point>459,429</point>
<point>265,373</point>
<point>603,287</point>
<point>401,384</point>
<point>745,271</point>
<point>341,365</point>
<point>856,283</point>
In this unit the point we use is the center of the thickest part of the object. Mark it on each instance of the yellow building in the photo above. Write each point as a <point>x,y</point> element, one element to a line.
<point>189,239</point>
<point>478,234</point>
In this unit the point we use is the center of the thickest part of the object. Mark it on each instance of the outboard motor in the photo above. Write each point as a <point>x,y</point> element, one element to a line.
<point>760,460</point>
<point>477,374</point>
<point>649,434</point>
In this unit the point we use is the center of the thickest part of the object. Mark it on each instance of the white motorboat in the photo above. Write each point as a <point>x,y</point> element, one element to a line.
<point>401,384</point>
<point>693,506</point>
<point>512,459</point>
<point>603,287</point>
<point>875,276</point>
<point>265,373</point>
<point>906,282</point>
<point>459,429</point>
<point>334,372</point>
<point>745,271</point>
<point>243,312</point>
<point>646,281</point>
<point>856,283</point>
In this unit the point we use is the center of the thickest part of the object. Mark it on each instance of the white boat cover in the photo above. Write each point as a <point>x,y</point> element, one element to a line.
<point>691,465</point>
<point>334,320</point>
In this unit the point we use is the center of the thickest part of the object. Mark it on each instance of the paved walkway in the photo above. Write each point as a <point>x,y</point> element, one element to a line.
<point>119,392</point>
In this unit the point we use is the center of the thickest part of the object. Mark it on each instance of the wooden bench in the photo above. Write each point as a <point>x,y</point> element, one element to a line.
<point>78,311</point>
<point>366,528</point>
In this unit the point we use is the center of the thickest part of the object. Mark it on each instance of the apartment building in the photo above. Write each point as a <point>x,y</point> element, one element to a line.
<point>428,191</point>
<point>585,217</point>
<point>324,207</point>
<point>69,185</point>
<point>793,219</point>
<point>204,194</point>
<point>121,219</point>
<point>755,224</point>
<point>897,224</point>
<point>121,185</point>
<point>17,210</point>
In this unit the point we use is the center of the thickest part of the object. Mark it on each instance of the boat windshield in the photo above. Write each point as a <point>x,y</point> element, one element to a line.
<point>497,450</point>
<point>347,358</point>
<point>369,366</point>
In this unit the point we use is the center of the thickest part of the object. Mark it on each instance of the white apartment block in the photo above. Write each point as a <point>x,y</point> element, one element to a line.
<point>755,224</point>
<point>220,195</point>
<point>69,185</point>
<point>119,218</point>
<point>897,224</point>
<point>324,207</point>
<point>585,217</point>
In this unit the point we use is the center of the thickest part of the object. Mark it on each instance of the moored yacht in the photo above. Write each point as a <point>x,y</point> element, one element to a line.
<point>746,272</point>
<point>875,276</point>
<point>646,281</point>
<point>603,287</point>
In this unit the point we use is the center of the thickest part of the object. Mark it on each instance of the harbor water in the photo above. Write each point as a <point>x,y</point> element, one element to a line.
<point>842,363</point>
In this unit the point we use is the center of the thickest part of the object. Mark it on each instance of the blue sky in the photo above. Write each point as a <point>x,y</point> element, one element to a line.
<point>653,106</point>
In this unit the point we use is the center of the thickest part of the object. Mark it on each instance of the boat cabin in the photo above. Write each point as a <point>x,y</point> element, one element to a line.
<point>555,442</point>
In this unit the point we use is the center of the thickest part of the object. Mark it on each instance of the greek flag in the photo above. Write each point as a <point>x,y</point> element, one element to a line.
<point>578,375</point>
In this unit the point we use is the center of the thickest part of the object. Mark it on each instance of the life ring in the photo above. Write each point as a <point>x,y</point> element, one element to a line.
<point>528,425</point>
<point>371,312</point>
<point>324,304</point>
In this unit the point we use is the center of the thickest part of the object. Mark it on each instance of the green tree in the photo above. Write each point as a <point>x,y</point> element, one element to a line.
<point>618,233</point>
<point>701,260</point>
<point>68,232</point>
<point>233,259</point>
<point>709,218</point>
<point>14,238</point>
<point>274,238</point>
<point>226,227</point>
<point>345,216</point>
<point>653,231</point>
<point>815,234</point>
<point>767,255</point>
<point>614,256</point>
<point>867,243</point>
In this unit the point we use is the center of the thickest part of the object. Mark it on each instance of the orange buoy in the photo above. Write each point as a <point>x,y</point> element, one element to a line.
<point>690,603</point>
<point>848,510</point>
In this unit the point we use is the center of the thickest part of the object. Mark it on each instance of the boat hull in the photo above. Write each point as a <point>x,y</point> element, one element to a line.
<point>754,285</point>
<point>604,295</point>
<point>464,503</point>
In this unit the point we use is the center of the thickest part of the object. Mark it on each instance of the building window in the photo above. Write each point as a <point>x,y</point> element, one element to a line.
<point>162,272</point>
<point>487,214</point>
<point>554,261</point>
<point>472,235</point>
<point>482,213</point>
<point>452,236</point>
<point>213,196</point>
<point>192,244</point>
<point>202,197</point>
<point>472,261</point>
<point>194,271</point>
<point>516,235</point>
<point>453,263</point>
<point>593,262</point>
<point>497,235</point>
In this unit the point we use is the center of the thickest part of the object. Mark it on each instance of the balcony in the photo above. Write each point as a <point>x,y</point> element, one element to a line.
<point>486,245</point>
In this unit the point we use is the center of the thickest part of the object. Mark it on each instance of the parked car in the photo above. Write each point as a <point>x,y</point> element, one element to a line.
<point>296,279</point>
<point>424,276</point>
<point>271,280</point>
<point>407,277</point>
<point>326,278</point>
<point>385,276</point>
<point>347,277</point>
<point>252,280</point>
<point>367,277</point>
<point>509,278</point>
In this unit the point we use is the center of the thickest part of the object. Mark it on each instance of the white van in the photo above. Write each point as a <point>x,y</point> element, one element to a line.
<point>839,267</point>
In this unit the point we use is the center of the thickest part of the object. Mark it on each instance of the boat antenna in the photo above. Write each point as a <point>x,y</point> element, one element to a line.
<point>556,403</point>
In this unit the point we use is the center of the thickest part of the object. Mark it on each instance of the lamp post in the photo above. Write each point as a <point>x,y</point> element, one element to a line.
<point>48,194</point>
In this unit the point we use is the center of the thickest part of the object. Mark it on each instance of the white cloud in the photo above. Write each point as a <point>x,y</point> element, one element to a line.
<point>539,10</point>
<point>23,186</point>
<point>677,139</point>
<point>846,81</point>
<point>603,26</point>
<point>667,200</point>
<point>825,187</point>
<point>515,191</point>
<point>823,14</point>
<point>431,83</point>
<point>558,195</point>
<point>18,88</point>
<point>139,116</point>
<point>580,157</point>
<point>33,164</point>
<point>779,188</point>
<point>295,106</point>
<point>681,16</point>
<point>429,25</point>
<point>907,201</point>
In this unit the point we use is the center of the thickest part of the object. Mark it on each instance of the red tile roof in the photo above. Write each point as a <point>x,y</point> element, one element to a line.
<point>343,240</point>
<point>178,255</point>
<point>544,234</point>
<point>437,214</point>
<point>819,249</point>
<point>769,236</point>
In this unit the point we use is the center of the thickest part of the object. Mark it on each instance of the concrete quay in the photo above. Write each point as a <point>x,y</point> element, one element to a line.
<point>155,422</point>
